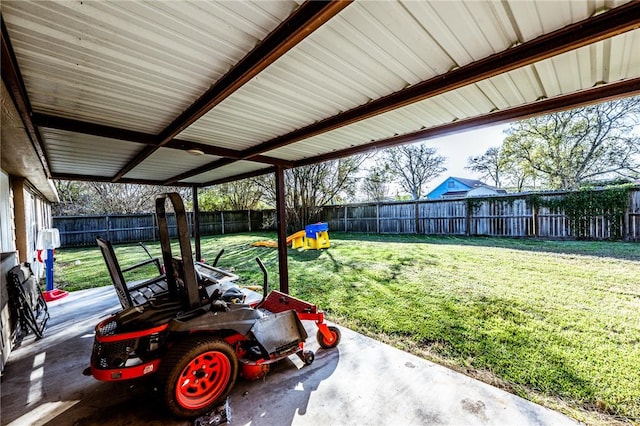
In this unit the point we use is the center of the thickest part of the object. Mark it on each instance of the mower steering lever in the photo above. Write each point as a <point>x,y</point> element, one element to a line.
<point>265,282</point>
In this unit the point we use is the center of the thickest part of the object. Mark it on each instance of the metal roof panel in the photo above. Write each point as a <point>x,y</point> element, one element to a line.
<point>544,79</point>
<point>238,167</point>
<point>84,154</point>
<point>134,64</point>
<point>138,65</point>
<point>375,48</point>
<point>166,163</point>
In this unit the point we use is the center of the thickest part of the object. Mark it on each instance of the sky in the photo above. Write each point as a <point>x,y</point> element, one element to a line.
<point>460,146</point>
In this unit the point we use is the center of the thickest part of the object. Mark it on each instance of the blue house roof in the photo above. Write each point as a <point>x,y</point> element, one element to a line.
<point>471,183</point>
<point>454,185</point>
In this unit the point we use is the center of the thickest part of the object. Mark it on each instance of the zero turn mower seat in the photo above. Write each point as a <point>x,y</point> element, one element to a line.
<point>134,293</point>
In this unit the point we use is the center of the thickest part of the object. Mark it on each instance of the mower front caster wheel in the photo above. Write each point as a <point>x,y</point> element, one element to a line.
<point>332,342</point>
<point>308,357</point>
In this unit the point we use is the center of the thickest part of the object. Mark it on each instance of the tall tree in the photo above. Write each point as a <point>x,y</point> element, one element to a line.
<point>243,194</point>
<point>375,185</point>
<point>415,165</point>
<point>79,198</point>
<point>309,188</point>
<point>490,166</point>
<point>124,198</point>
<point>75,198</point>
<point>238,195</point>
<point>502,170</point>
<point>520,176</point>
<point>565,149</point>
<point>212,199</point>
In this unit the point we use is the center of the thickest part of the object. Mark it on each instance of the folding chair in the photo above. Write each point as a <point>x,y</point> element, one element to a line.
<point>27,300</point>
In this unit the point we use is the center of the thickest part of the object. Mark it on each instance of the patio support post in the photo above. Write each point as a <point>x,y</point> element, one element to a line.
<point>283,267</point>
<point>196,223</point>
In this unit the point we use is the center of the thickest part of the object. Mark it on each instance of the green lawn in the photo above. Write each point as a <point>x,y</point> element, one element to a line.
<point>557,322</point>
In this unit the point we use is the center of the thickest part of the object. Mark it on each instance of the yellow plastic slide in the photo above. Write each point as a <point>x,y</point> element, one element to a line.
<point>290,238</point>
<point>297,235</point>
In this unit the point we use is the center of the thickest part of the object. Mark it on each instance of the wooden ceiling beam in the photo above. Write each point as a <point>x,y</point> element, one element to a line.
<point>225,152</point>
<point>309,16</point>
<point>241,176</point>
<point>77,126</point>
<point>558,103</point>
<point>93,178</point>
<point>202,169</point>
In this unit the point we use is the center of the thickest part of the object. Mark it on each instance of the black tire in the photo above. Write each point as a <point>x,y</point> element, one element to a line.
<point>308,357</point>
<point>196,375</point>
<point>324,343</point>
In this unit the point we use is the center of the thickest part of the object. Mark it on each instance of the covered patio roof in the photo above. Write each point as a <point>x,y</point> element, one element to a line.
<point>200,93</point>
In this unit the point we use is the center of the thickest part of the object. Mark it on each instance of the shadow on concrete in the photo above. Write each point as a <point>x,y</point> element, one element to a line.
<point>285,392</point>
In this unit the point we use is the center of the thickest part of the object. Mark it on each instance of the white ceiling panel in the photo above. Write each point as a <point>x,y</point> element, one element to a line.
<point>551,77</point>
<point>81,154</point>
<point>166,163</point>
<point>372,49</point>
<point>135,64</point>
<point>238,167</point>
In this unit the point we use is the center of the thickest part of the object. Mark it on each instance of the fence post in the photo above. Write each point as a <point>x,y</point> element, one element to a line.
<point>155,227</point>
<point>249,219</point>
<point>416,214</point>
<point>534,219</point>
<point>626,223</point>
<point>222,222</point>
<point>108,226</point>
<point>345,218</point>
<point>378,218</point>
<point>467,218</point>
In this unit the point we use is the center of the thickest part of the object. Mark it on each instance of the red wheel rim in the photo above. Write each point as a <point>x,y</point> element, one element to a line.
<point>203,380</point>
<point>329,341</point>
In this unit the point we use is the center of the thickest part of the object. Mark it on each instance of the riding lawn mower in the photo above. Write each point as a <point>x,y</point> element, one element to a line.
<point>195,328</point>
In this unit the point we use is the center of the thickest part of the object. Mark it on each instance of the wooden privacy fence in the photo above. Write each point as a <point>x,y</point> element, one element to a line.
<point>505,216</point>
<point>78,231</point>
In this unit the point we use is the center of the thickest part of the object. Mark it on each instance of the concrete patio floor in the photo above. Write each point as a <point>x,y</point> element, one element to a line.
<point>361,382</point>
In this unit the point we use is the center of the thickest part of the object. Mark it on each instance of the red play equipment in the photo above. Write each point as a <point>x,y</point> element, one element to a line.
<point>48,240</point>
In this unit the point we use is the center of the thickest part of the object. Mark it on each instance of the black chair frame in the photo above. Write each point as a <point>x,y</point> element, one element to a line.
<point>27,300</point>
<point>143,290</point>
